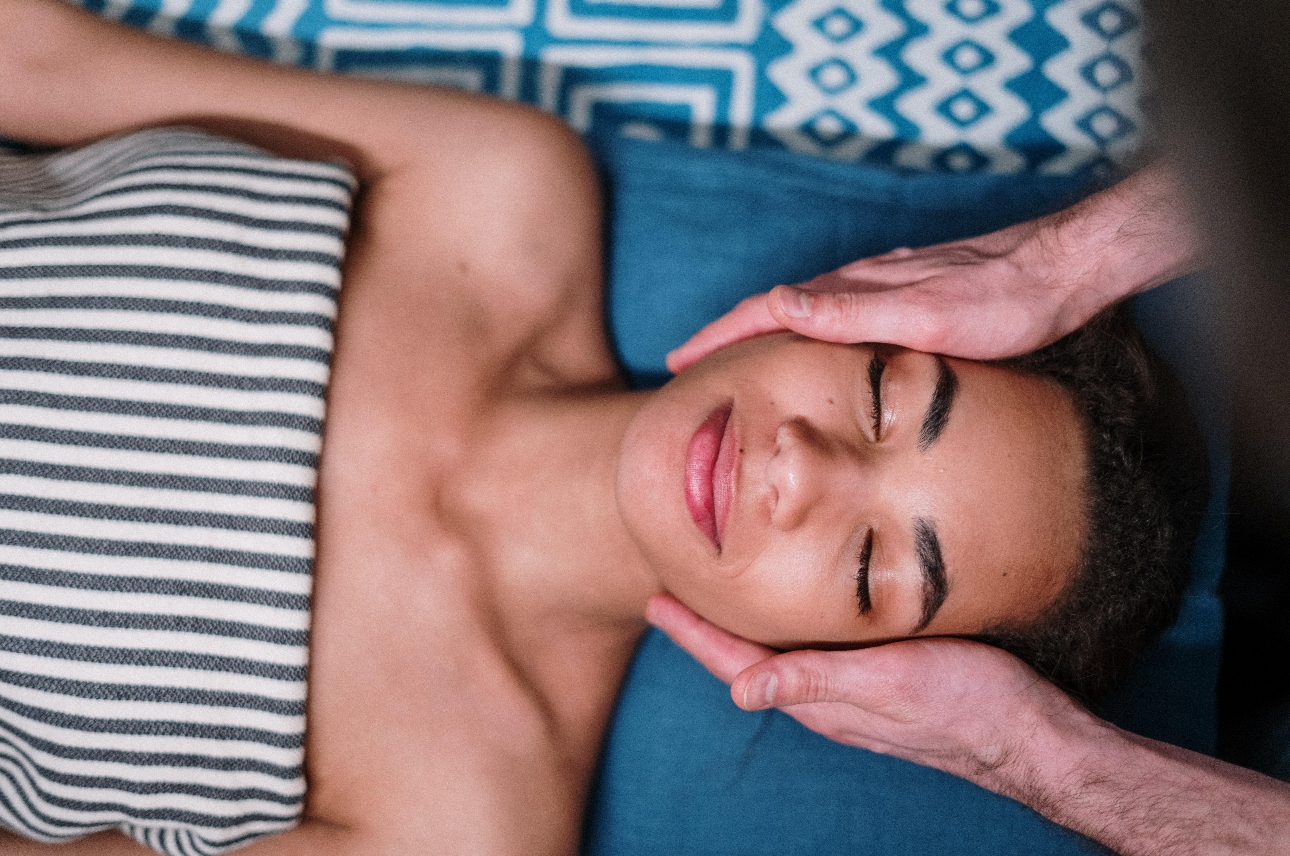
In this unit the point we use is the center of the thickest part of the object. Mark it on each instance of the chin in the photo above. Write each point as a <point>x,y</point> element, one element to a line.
<point>649,486</point>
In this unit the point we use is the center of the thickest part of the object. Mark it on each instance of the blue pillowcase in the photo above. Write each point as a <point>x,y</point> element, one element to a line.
<point>694,231</point>
<point>686,772</point>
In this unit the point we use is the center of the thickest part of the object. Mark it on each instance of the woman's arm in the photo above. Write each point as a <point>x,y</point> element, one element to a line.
<point>68,77</point>
<point>473,209</point>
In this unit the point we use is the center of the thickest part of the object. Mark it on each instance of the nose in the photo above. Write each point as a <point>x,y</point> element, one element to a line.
<point>806,466</point>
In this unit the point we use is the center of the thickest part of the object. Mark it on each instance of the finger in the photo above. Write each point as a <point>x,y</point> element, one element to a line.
<point>904,265</point>
<point>806,677</point>
<point>724,654</point>
<point>748,318</point>
<point>853,316</point>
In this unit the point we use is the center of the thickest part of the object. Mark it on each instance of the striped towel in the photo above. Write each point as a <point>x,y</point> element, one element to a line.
<point>167,302</point>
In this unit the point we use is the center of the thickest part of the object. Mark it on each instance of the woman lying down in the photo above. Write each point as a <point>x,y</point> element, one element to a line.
<point>493,507</point>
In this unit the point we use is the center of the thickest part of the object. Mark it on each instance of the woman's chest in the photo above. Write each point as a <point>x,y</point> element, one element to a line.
<point>439,693</point>
<point>432,699</point>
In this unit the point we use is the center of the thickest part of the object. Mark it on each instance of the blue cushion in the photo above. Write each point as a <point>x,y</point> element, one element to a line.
<point>684,771</point>
<point>996,86</point>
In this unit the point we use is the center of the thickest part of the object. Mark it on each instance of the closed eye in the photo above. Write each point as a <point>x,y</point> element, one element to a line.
<point>862,575</point>
<point>876,367</point>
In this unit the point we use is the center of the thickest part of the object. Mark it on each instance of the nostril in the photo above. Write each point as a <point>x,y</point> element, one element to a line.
<point>790,433</point>
<point>792,483</point>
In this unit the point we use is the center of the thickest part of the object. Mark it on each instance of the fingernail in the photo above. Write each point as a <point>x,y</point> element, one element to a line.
<point>796,303</point>
<point>760,692</point>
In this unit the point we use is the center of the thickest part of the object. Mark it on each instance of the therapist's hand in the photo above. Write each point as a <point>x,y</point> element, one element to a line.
<point>981,714</point>
<point>993,296</point>
<point>962,707</point>
<point>1000,294</point>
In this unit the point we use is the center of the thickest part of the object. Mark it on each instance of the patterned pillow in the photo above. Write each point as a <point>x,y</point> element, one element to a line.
<point>1052,86</point>
<point>166,311</point>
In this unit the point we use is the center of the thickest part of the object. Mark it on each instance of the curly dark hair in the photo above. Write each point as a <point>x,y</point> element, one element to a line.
<point>1146,490</point>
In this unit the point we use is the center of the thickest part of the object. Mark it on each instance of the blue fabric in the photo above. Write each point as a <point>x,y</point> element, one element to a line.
<point>955,85</point>
<point>684,771</point>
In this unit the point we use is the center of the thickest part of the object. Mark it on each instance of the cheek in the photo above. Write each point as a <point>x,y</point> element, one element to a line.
<point>779,599</point>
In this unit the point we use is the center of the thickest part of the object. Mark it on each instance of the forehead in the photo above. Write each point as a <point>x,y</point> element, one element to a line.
<point>1006,486</point>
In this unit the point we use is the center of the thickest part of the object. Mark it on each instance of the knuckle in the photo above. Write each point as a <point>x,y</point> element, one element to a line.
<point>849,303</point>
<point>805,684</point>
<point>840,307</point>
<point>820,688</point>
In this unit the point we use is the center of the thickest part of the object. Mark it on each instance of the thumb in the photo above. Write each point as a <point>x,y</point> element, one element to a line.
<point>800,677</point>
<point>831,316</point>
<point>850,315</point>
<point>750,317</point>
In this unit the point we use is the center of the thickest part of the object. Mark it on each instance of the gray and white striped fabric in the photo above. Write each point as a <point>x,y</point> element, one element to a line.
<point>167,302</point>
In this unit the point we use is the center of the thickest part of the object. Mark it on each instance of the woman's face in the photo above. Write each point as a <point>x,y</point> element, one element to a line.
<point>798,492</point>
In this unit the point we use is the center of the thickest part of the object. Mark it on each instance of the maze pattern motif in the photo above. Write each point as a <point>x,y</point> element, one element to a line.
<point>1054,86</point>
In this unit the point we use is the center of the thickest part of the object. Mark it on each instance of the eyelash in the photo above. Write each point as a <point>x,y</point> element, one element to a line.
<point>862,575</point>
<point>876,368</point>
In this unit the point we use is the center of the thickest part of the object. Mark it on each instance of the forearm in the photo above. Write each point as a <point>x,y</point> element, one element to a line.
<point>1126,239</point>
<point>1140,796</point>
<point>67,77</point>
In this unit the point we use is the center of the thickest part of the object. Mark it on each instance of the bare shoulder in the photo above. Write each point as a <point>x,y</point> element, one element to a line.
<point>495,229</point>
<point>479,219</point>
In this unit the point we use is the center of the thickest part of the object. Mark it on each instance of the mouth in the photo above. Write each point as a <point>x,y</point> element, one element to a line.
<point>709,473</point>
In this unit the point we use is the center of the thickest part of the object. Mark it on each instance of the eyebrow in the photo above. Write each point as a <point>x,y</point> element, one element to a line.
<point>938,412</point>
<point>935,584</point>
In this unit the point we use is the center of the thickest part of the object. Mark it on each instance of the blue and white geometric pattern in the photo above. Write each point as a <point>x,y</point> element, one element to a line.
<point>998,85</point>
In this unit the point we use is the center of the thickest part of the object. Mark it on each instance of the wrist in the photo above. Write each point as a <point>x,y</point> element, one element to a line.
<point>1122,241</point>
<point>1057,745</point>
<point>1138,796</point>
<point>1098,266</point>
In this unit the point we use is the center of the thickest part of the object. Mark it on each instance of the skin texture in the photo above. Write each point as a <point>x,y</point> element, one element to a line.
<point>443,732</point>
<point>998,295</point>
<point>817,475</point>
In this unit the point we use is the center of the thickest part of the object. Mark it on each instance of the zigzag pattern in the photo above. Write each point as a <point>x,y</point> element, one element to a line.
<point>1042,43</point>
<point>943,85</point>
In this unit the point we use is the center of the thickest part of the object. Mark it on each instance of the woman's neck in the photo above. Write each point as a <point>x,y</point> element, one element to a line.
<point>539,497</point>
<point>560,586</point>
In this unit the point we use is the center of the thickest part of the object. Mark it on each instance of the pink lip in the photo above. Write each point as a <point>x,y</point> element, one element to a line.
<point>709,474</point>
<point>723,479</point>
